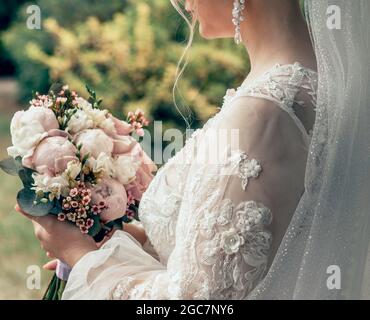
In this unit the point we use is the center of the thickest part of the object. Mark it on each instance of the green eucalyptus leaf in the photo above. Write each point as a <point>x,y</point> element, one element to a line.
<point>26,200</point>
<point>10,166</point>
<point>57,207</point>
<point>25,175</point>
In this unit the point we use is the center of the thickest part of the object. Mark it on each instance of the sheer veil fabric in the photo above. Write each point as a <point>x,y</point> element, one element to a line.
<point>325,251</point>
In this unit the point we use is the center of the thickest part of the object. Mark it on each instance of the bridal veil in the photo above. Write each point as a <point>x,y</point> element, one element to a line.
<point>325,251</point>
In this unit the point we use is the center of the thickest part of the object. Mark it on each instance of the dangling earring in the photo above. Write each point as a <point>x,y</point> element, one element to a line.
<point>239,6</point>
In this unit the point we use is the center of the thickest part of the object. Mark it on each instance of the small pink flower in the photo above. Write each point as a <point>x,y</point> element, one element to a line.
<point>86,192</point>
<point>130,198</point>
<point>71,216</point>
<point>61,217</point>
<point>73,192</point>
<point>86,200</point>
<point>89,223</point>
<point>74,204</point>
<point>80,222</point>
<point>84,229</point>
<point>96,210</point>
<point>66,206</point>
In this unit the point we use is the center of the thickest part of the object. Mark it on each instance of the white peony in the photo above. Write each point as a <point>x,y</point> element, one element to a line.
<point>87,117</point>
<point>108,126</point>
<point>125,169</point>
<point>94,142</point>
<point>79,121</point>
<point>28,128</point>
<point>56,186</point>
<point>83,104</point>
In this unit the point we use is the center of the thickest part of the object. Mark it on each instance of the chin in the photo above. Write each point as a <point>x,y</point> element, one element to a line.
<point>204,33</point>
<point>209,34</point>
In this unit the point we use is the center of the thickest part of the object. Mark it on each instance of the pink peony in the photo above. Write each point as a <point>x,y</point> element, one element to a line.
<point>144,173</point>
<point>114,195</point>
<point>122,127</point>
<point>123,145</point>
<point>52,154</point>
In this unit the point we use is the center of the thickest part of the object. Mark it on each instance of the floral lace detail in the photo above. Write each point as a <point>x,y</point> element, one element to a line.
<point>248,168</point>
<point>235,247</point>
<point>284,85</point>
<point>121,291</point>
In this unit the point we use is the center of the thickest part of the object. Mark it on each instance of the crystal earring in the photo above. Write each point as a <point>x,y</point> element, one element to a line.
<point>239,6</point>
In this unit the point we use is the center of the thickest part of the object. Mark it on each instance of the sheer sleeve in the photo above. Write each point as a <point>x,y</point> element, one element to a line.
<point>235,208</point>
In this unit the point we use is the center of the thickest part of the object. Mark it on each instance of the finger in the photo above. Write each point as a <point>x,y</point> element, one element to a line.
<point>45,221</point>
<point>49,255</point>
<point>51,265</point>
<point>28,216</point>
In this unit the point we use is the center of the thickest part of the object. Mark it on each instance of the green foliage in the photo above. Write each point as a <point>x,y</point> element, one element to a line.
<point>130,60</point>
<point>31,74</point>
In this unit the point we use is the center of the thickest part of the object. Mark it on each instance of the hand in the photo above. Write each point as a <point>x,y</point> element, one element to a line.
<point>60,239</point>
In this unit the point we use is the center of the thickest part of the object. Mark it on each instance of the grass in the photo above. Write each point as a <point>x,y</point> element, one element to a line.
<point>18,246</point>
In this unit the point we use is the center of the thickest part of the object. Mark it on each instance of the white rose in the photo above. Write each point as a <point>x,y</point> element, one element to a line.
<point>79,121</point>
<point>28,128</point>
<point>103,165</point>
<point>94,142</point>
<point>125,169</point>
<point>56,186</point>
<point>73,170</point>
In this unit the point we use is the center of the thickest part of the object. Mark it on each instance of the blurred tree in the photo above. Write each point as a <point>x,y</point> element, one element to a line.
<point>8,10</point>
<point>131,61</point>
<point>31,74</point>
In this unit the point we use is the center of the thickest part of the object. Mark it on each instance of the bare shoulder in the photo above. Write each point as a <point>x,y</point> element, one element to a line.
<point>263,127</point>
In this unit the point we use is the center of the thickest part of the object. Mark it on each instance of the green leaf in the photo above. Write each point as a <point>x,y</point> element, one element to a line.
<point>26,200</point>
<point>25,175</point>
<point>10,166</point>
<point>95,229</point>
<point>56,88</point>
<point>115,224</point>
<point>57,207</point>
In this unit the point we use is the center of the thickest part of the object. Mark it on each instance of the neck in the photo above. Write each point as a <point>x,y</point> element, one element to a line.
<point>273,33</point>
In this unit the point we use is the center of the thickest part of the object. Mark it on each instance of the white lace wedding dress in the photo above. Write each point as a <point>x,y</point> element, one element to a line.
<point>214,228</point>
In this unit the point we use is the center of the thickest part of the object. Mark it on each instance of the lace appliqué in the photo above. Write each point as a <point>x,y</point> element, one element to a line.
<point>121,291</point>
<point>235,247</point>
<point>248,168</point>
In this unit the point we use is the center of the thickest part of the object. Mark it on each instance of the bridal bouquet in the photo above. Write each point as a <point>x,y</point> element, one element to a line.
<point>79,163</point>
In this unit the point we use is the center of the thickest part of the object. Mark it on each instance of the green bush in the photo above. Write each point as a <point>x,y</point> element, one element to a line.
<point>33,75</point>
<point>130,60</point>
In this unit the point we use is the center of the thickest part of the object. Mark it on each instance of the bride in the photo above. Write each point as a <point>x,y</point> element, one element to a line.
<point>285,201</point>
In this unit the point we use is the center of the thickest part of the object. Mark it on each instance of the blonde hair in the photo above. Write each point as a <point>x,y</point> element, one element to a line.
<point>181,65</point>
